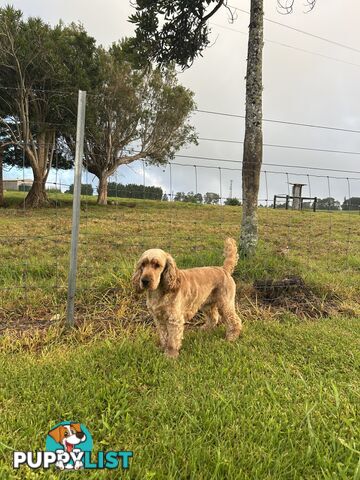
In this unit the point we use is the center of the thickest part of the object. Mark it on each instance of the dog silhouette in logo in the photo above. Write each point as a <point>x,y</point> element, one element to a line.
<point>68,436</point>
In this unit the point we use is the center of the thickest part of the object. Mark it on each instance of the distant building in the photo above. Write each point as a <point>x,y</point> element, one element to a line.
<point>17,185</point>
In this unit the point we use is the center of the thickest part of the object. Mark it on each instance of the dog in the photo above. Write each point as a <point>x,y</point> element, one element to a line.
<point>68,436</point>
<point>174,296</point>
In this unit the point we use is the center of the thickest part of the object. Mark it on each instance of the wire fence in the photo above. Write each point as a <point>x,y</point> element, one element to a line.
<point>189,214</point>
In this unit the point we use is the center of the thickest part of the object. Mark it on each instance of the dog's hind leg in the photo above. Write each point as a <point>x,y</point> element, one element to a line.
<point>175,333</point>
<point>232,321</point>
<point>212,317</point>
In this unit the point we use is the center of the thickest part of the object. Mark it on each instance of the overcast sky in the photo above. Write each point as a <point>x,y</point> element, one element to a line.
<point>298,87</point>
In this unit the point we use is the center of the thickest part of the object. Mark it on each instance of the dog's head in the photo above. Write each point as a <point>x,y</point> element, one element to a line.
<point>68,435</point>
<point>155,269</point>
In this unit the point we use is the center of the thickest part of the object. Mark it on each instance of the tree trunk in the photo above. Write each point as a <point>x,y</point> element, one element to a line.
<point>37,196</point>
<point>41,158</point>
<point>1,180</point>
<point>102,189</point>
<point>253,141</point>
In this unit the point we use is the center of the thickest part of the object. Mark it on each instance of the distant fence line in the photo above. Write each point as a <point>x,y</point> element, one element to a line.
<point>156,192</point>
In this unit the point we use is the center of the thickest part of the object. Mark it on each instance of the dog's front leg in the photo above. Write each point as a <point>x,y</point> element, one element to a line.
<point>175,332</point>
<point>162,332</point>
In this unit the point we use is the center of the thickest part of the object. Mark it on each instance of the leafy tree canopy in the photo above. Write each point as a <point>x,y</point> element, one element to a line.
<point>173,31</point>
<point>232,201</point>
<point>352,203</point>
<point>189,197</point>
<point>328,203</point>
<point>41,69</point>
<point>133,190</point>
<point>134,114</point>
<point>86,189</point>
<point>211,198</point>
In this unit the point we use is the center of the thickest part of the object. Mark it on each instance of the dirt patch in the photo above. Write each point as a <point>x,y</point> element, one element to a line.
<point>292,294</point>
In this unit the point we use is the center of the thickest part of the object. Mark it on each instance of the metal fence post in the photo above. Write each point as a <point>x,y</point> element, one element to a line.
<point>315,203</point>
<point>80,127</point>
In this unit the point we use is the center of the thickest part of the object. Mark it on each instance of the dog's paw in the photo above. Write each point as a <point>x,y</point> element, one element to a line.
<point>233,335</point>
<point>171,353</point>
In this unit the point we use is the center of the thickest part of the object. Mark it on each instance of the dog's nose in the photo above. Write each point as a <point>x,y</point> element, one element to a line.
<point>80,435</point>
<point>145,282</point>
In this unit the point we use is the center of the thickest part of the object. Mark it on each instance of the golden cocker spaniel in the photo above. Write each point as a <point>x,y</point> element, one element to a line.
<point>174,296</point>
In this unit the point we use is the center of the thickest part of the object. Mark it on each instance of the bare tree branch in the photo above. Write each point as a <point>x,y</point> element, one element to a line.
<point>287,6</point>
<point>209,15</point>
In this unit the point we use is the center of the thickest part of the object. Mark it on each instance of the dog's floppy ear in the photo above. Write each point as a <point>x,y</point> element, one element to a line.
<point>170,275</point>
<point>56,433</point>
<point>135,279</point>
<point>76,426</point>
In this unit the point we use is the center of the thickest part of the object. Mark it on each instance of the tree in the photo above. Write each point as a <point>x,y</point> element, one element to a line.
<point>134,114</point>
<point>189,197</point>
<point>352,203</point>
<point>179,197</point>
<point>232,201</point>
<point>4,145</point>
<point>192,197</point>
<point>86,189</point>
<point>39,64</point>
<point>328,203</point>
<point>211,198</point>
<point>178,31</point>
<point>198,198</point>
<point>1,178</point>
<point>132,190</point>
<point>253,141</point>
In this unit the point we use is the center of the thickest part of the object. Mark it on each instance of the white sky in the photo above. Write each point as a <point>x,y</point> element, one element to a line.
<point>298,87</point>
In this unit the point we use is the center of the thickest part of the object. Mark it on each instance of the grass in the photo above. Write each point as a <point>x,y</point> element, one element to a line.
<point>323,248</point>
<point>281,403</point>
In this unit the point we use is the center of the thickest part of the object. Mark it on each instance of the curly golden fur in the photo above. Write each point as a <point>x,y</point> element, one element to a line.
<point>174,296</point>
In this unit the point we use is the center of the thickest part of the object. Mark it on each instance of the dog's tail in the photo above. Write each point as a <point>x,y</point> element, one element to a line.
<point>231,255</point>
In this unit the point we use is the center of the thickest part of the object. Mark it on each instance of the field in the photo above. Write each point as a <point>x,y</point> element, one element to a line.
<point>281,403</point>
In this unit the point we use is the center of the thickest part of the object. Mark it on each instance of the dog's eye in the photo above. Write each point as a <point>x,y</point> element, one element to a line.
<point>156,265</point>
<point>66,434</point>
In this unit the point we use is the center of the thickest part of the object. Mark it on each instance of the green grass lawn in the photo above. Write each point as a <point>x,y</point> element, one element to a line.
<point>281,403</point>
